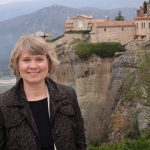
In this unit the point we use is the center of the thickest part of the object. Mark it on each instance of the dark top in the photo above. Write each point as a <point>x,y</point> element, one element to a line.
<point>40,112</point>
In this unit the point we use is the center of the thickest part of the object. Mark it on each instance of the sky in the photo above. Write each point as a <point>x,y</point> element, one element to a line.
<point>88,3</point>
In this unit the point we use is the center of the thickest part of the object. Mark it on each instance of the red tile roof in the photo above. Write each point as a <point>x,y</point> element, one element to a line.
<point>116,24</point>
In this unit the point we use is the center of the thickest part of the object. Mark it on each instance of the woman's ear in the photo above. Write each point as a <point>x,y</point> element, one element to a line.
<point>49,68</point>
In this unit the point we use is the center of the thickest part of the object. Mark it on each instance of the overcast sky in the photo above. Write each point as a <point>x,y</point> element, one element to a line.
<point>105,4</point>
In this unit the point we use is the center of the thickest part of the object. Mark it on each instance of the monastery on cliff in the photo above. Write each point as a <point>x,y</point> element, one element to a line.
<point>105,30</point>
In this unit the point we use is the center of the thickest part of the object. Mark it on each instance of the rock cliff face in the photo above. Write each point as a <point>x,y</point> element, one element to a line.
<point>129,118</point>
<point>97,83</point>
<point>90,78</point>
<point>120,115</point>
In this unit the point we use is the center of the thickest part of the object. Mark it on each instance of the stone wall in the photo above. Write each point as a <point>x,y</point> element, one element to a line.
<point>148,9</point>
<point>143,28</point>
<point>115,34</point>
<point>81,36</point>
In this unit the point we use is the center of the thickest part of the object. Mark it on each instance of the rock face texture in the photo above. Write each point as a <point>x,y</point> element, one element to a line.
<point>121,115</point>
<point>90,78</point>
<point>97,83</point>
<point>91,84</point>
<point>129,118</point>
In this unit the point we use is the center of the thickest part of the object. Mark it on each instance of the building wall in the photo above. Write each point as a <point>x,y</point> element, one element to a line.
<point>148,9</point>
<point>143,29</point>
<point>115,34</point>
<point>80,24</point>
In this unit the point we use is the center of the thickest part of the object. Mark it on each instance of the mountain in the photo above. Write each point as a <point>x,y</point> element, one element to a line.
<point>49,19</point>
<point>15,9</point>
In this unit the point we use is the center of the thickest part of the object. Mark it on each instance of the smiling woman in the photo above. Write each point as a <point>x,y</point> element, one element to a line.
<point>37,113</point>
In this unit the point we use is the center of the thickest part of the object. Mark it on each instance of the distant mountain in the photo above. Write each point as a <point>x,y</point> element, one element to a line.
<point>49,19</point>
<point>11,10</point>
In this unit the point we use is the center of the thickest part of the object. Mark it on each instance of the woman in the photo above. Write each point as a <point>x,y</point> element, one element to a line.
<point>37,113</point>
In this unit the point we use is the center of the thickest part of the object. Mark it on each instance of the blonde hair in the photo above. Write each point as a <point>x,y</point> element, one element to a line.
<point>34,45</point>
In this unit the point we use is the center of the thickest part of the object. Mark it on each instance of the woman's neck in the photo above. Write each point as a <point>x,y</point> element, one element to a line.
<point>35,92</point>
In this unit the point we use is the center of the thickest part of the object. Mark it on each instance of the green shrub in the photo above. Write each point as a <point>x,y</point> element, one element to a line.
<point>140,144</point>
<point>104,49</point>
<point>94,142</point>
<point>145,133</point>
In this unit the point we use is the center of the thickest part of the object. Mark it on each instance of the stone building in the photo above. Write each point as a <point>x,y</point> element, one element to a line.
<point>142,22</point>
<point>116,31</point>
<point>105,30</point>
<point>100,30</point>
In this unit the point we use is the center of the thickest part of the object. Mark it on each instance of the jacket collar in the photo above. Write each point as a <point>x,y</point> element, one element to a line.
<point>18,97</point>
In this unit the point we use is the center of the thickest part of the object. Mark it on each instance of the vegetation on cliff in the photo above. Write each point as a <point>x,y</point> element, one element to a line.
<point>138,87</point>
<point>140,144</point>
<point>105,49</point>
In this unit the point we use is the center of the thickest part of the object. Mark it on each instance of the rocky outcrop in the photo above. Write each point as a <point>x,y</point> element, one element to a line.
<point>129,118</point>
<point>98,85</point>
<point>90,78</point>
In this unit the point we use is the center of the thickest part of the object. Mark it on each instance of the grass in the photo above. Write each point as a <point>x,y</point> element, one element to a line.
<point>139,144</point>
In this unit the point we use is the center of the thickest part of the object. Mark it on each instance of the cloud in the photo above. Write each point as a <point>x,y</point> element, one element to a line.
<point>10,1</point>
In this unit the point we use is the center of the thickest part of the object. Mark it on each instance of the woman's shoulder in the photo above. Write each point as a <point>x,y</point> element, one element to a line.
<point>65,87</point>
<point>4,97</point>
<point>61,87</point>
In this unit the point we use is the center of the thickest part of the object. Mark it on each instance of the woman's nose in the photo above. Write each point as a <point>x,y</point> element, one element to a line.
<point>33,64</point>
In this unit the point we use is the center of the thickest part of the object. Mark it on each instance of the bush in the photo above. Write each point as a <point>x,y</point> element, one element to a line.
<point>104,49</point>
<point>94,142</point>
<point>140,144</point>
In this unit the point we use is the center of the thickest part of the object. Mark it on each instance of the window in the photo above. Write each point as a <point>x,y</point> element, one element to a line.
<point>149,25</point>
<point>105,29</point>
<point>137,25</point>
<point>122,28</point>
<point>141,25</point>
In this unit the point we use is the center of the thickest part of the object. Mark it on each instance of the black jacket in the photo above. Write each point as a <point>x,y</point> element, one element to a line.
<point>18,130</point>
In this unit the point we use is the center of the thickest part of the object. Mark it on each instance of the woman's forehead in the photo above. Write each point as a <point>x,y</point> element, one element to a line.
<point>26,53</point>
<point>33,51</point>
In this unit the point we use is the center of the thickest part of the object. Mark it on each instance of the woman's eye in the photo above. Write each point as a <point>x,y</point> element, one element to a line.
<point>40,59</point>
<point>25,60</point>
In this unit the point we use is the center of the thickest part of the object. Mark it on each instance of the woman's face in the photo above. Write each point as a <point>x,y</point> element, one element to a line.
<point>33,68</point>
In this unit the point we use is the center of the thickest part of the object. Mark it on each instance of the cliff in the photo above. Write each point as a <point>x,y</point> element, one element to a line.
<point>98,85</point>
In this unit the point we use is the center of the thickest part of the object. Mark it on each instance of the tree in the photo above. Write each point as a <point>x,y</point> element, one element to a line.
<point>145,7</point>
<point>119,17</point>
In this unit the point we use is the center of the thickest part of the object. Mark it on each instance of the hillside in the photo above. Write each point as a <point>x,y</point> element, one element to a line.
<point>20,8</point>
